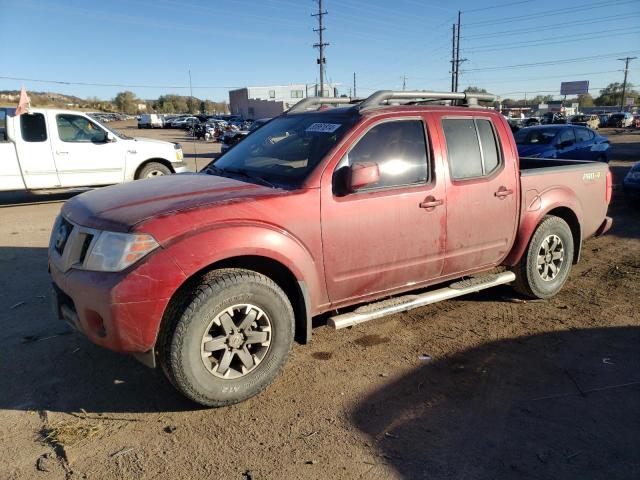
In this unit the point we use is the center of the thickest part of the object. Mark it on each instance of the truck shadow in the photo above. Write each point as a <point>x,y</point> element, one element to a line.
<point>11,199</point>
<point>561,404</point>
<point>44,365</point>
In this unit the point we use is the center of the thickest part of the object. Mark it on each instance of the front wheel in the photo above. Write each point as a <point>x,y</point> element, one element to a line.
<point>230,339</point>
<point>153,169</point>
<point>545,266</point>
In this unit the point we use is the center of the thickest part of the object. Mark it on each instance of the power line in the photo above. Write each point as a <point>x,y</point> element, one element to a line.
<point>321,44</point>
<point>548,27</point>
<point>552,12</point>
<point>499,5</point>
<point>562,39</point>
<point>88,84</point>
<point>553,62</point>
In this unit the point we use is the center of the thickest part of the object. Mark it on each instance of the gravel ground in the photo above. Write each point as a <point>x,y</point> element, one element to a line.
<point>487,386</point>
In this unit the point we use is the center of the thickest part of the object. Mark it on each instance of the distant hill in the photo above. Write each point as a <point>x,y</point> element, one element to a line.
<point>41,99</point>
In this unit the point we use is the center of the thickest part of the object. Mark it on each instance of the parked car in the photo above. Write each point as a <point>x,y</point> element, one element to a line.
<point>150,121</point>
<point>620,120</point>
<point>551,118</point>
<point>631,184</point>
<point>562,141</point>
<point>604,119</point>
<point>50,149</point>
<point>184,122</point>
<point>584,120</point>
<point>214,274</point>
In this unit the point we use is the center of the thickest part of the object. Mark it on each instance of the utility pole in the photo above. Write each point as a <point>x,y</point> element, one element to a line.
<point>355,95</point>
<point>190,94</point>
<point>453,57</point>
<point>626,61</point>
<point>457,51</point>
<point>321,44</point>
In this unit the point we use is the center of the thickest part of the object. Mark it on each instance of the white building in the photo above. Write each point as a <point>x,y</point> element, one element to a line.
<point>272,100</point>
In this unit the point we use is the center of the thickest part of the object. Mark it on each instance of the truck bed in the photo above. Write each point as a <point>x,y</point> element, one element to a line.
<point>578,184</point>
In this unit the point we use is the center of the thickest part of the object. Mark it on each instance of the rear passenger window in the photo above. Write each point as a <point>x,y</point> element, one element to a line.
<point>583,135</point>
<point>33,127</point>
<point>399,148</point>
<point>472,148</point>
<point>490,154</point>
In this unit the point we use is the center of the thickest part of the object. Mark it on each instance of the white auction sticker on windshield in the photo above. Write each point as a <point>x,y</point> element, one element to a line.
<point>323,127</point>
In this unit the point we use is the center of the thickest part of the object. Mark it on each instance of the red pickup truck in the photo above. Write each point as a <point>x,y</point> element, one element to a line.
<point>213,275</point>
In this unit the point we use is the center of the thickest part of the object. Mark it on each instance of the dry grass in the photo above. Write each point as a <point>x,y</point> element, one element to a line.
<point>70,433</point>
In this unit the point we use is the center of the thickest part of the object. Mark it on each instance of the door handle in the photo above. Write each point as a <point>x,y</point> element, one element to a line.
<point>503,192</point>
<point>430,203</point>
<point>58,152</point>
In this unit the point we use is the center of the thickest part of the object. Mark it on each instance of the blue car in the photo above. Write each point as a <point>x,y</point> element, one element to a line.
<point>631,183</point>
<point>562,141</point>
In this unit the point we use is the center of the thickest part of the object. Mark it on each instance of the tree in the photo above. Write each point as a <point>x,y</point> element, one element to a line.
<point>472,89</point>
<point>612,93</point>
<point>126,102</point>
<point>585,100</point>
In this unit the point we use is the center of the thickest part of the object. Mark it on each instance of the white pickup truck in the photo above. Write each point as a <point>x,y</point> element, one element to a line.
<point>58,149</point>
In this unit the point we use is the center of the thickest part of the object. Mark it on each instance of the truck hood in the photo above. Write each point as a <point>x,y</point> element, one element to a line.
<point>121,207</point>
<point>150,141</point>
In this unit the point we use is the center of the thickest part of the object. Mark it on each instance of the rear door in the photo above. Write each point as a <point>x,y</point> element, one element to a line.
<point>565,143</point>
<point>33,146</point>
<point>83,156</point>
<point>389,235</point>
<point>482,192</point>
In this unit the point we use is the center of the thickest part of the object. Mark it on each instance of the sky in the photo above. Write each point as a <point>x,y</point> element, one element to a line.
<point>149,46</point>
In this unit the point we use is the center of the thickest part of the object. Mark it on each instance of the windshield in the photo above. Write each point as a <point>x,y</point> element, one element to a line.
<point>115,132</point>
<point>285,150</point>
<point>535,136</point>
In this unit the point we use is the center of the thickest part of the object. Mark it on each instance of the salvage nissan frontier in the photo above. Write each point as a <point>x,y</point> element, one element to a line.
<point>361,208</point>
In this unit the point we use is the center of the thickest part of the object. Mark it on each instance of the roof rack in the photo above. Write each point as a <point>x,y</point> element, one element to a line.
<point>384,96</point>
<point>309,102</point>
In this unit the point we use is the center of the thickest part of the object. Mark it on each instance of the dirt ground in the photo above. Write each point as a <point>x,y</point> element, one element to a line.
<point>483,387</point>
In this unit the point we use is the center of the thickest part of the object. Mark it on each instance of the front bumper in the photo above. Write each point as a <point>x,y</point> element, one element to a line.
<point>121,311</point>
<point>181,169</point>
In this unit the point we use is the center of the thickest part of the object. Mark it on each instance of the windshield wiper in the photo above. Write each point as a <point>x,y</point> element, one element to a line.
<point>249,175</point>
<point>242,173</point>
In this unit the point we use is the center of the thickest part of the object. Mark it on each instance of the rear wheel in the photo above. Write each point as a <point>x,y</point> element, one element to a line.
<point>545,267</point>
<point>229,340</point>
<point>153,169</point>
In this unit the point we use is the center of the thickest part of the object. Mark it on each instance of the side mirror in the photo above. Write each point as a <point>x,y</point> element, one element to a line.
<point>109,137</point>
<point>363,175</point>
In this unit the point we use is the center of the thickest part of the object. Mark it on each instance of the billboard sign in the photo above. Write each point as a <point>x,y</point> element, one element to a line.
<point>574,88</point>
<point>630,101</point>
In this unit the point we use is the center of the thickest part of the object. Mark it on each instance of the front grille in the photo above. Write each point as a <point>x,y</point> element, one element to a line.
<point>70,244</point>
<point>62,235</point>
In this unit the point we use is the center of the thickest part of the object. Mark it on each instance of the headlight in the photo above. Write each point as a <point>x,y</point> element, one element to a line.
<point>113,252</point>
<point>634,175</point>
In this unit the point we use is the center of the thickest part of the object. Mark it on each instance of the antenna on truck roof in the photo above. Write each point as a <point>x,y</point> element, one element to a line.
<point>384,97</point>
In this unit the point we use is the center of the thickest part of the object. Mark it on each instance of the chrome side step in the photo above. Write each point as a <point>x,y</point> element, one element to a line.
<point>407,302</point>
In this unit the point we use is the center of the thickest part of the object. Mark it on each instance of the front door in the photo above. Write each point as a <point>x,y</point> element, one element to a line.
<point>83,155</point>
<point>34,151</point>
<point>481,193</point>
<point>391,234</point>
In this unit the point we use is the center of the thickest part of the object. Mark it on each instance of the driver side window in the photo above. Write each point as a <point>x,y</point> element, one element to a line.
<point>399,148</point>
<point>77,129</point>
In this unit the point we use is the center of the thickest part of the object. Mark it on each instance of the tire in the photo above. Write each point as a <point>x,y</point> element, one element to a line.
<point>530,280</point>
<point>153,169</point>
<point>209,380</point>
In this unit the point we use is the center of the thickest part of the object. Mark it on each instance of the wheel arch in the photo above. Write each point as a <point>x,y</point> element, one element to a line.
<point>529,225</point>
<point>163,161</point>
<point>295,289</point>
